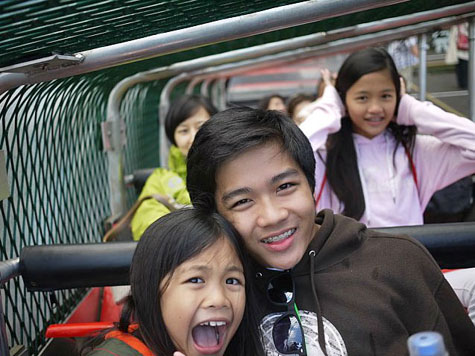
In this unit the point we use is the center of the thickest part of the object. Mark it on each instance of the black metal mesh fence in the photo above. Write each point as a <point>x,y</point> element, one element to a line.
<point>57,175</point>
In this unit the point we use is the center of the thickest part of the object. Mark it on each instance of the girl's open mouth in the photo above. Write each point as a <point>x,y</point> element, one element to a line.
<point>209,336</point>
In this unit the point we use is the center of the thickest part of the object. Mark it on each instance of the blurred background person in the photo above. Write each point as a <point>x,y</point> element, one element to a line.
<point>405,54</point>
<point>457,53</point>
<point>273,102</point>
<point>296,104</point>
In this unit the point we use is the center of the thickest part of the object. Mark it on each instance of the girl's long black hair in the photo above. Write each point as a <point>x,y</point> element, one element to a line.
<point>341,163</point>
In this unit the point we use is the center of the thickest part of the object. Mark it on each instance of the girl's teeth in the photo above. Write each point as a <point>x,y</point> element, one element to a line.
<point>213,323</point>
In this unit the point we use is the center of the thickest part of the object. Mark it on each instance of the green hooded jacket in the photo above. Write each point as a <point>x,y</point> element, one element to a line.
<point>170,183</point>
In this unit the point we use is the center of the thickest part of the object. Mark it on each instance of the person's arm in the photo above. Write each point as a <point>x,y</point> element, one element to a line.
<point>323,116</point>
<point>445,152</point>
<point>461,328</point>
<point>463,283</point>
<point>431,120</point>
<point>162,182</point>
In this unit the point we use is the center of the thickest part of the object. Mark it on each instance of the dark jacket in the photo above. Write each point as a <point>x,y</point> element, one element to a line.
<point>373,290</point>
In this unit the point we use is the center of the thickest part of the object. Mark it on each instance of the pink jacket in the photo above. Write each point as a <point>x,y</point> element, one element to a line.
<point>444,152</point>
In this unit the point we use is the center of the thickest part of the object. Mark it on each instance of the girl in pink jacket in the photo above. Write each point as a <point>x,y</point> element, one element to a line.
<point>371,164</point>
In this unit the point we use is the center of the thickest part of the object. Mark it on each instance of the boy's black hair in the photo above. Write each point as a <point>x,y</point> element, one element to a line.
<point>232,132</point>
<point>183,108</point>
<point>167,243</point>
<point>341,164</point>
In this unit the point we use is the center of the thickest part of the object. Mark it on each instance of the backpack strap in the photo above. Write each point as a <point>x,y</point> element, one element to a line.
<point>413,167</point>
<point>130,340</point>
<point>319,196</point>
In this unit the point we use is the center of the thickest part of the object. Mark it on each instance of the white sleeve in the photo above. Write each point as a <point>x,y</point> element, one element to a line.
<point>322,117</point>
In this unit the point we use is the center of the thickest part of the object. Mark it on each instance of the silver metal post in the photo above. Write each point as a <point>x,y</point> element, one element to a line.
<point>204,90</point>
<point>191,86</point>
<point>222,93</point>
<point>215,93</point>
<point>4,350</point>
<point>471,66</point>
<point>422,66</point>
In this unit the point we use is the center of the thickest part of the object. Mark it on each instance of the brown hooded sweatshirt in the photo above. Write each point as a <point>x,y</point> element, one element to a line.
<point>371,291</point>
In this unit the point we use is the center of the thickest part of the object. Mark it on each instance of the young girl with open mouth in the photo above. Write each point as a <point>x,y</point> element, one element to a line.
<point>188,292</point>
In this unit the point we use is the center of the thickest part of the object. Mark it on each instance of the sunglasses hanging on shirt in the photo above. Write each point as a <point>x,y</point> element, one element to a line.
<point>287,331</point>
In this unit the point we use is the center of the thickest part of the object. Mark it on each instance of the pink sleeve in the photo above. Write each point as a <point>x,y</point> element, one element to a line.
<point>323,117</point>
<point>445,145</point>
<point>431,120</point>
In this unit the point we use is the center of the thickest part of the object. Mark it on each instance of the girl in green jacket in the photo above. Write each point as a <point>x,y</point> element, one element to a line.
<point>185,117</point>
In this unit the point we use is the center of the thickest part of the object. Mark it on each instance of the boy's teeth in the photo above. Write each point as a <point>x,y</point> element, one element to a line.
<point>279,237</point>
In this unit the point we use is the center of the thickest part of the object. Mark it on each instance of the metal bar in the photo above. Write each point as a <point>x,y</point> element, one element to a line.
<point>8,269</point>
<point>3,332</point>
<point>196,36</point>
<point>423,66</point>
<point>471,66</point>
<point>115,97</point>
<point>222,94</point>
<point>204,90</point>
<point>215,93</point>
<point>191,86</point>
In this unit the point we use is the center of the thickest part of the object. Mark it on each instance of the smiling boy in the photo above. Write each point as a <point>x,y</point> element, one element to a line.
<point>368,291</point>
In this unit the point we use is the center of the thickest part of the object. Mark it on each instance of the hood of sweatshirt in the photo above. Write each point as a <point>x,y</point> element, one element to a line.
<point>336,239</point>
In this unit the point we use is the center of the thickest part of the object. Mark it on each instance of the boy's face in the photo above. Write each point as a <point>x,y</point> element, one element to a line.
<point>266,196</point>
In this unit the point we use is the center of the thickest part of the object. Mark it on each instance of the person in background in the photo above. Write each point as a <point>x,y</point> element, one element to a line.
<point>273,102</point>
<point>457,53</point>
<point>326,284</point>
<point>296,104</point>
<point>405,54</point>
<point>185,117</point>
<point>189,284</point>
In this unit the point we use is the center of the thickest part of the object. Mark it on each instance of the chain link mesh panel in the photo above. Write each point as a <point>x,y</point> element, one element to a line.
<point>37,28</point>
<point>57,174</point>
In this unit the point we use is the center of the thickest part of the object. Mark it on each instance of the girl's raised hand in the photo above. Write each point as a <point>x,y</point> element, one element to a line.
<point>403,86</point>
<point>326,76</point>
<point>178,353</point>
